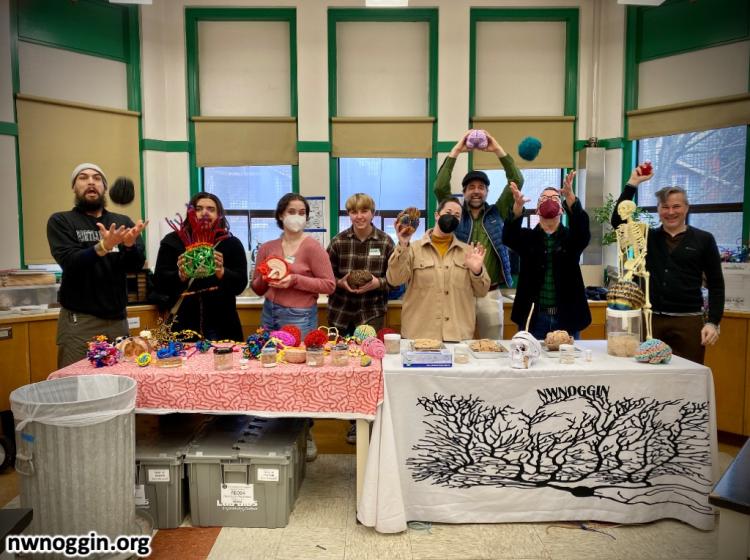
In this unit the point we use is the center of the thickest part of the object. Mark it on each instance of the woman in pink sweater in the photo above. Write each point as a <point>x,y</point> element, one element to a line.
<point>293,299</point>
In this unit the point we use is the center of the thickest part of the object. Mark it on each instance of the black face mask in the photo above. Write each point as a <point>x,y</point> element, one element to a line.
<point>447,223</point>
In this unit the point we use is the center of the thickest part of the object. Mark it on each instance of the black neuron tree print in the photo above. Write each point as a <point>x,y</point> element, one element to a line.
<point>577,441</point>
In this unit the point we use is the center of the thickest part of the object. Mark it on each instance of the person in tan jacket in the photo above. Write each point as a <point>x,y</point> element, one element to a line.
<point>444,277</point>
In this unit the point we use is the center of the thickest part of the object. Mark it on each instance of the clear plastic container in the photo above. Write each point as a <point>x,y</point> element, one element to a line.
<point>268,357</point>
<point>567,354</point>
<point>392,343</point>
<point>222,359</point>
<point>461,354</point>
<point>340,355</point>
<point>624,332</point>
<point>315,356</point>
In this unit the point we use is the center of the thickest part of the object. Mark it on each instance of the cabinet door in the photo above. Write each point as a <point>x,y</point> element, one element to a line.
<point>43,345</point>
<point>14,361</point>
<point>727,359</point>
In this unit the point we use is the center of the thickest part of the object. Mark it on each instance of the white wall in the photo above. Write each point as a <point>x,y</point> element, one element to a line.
<point>163,79</point>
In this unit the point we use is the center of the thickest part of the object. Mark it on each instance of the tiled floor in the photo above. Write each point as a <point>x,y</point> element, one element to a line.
<point>323,526</point>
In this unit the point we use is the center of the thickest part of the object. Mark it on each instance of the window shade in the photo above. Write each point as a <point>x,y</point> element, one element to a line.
<point>234,141</point>
<point>555,134</point>
<point>666,120</point>
<point>382,137</point>
<point>54,137</point>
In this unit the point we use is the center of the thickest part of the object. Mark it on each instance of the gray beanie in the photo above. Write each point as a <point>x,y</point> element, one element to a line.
<point>80,167</point>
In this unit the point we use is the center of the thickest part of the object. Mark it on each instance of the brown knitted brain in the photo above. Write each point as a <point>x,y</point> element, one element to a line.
<point>358,278</point>
<point>554,339</point>
<point>408,220</point>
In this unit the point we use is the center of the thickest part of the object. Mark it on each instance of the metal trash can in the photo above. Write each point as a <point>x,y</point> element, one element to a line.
<point>76,454</point>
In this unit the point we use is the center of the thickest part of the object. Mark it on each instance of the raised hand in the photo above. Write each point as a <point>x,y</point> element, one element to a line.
<point>567,189</point>
<point>111,237</point>
<point>493,146</point>
<point>475,257</point>
<point>460,146</point>
<point>404,234</point>
<point>131,235</point>
<point>637,176</point>
<point>518,200</point>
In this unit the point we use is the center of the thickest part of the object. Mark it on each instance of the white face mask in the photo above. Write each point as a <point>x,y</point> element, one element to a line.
<point>294,222</point>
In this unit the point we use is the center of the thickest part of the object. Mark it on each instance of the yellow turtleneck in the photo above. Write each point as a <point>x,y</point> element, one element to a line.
<point>441,243</point>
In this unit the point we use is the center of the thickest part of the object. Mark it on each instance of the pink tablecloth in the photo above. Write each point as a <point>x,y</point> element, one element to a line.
<point>286,390</point>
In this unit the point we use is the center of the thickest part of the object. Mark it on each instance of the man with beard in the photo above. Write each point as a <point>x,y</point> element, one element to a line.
<point>95,249</point>
<point>482,223</point>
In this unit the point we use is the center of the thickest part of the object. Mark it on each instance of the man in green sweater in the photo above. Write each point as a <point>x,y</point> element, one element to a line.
<point>483,223</point>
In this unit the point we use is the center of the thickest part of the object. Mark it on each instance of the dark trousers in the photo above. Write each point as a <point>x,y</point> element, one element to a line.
<point>376,323</point>
<point>542,323</point>
<point>683,334</point>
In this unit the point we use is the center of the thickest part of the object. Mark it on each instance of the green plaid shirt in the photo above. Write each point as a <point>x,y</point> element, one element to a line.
<point>547,295</point>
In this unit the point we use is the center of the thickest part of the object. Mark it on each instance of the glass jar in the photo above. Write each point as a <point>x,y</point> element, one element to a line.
<point>567,354</point>
<point>340,355</point>
<point>268,356</point>
<point>461,354</point>
<point>315,356</point>
<point>623,332</point>
<point>392,343</point>
<point>222,359</point>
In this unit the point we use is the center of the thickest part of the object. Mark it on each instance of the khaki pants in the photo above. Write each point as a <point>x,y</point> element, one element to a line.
<point>75,330</point>
<point>489,310</point>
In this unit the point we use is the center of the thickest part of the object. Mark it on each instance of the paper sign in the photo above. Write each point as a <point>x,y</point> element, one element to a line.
<point>236,494</point>
<point>158,475</point>
<point>268,475</point>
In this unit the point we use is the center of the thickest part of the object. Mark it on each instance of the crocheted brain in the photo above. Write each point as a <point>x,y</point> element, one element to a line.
<point>625,296</point>
<point>476,139</point>
<point>408,220</point>
<point>654,351</point>
<point>364,331</point>
<point>358,278</point>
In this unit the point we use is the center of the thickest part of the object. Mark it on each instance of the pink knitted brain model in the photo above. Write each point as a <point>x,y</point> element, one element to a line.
<point>373,347</point>
<point>476,139</point>
<point>286,338</point>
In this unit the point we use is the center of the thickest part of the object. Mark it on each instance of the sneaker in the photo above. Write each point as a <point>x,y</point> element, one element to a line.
<point>351,435</point>
<point>312,449</point>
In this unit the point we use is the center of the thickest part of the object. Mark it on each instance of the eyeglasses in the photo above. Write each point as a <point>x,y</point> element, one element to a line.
<point>549,197</point>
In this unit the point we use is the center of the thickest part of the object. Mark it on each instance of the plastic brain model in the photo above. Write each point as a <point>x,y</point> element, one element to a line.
<point>554,339</point>
<point>408,219</point>
<point>625,296</point>
<point>476,139</point>
<point>358,278</point>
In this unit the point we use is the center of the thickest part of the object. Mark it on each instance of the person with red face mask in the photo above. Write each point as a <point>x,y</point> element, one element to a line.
<point>550,275</point>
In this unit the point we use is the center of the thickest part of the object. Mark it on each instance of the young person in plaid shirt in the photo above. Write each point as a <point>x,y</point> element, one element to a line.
<point>550,275</point>
<point>361,246</point>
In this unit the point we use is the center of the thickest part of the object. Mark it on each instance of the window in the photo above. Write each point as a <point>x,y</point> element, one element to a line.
<point>394,184</point>
<point>249,195</point>
<point>534,182</point>
<point>710,165</point>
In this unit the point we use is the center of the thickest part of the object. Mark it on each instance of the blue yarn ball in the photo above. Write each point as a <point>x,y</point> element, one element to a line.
<point>529,148</point>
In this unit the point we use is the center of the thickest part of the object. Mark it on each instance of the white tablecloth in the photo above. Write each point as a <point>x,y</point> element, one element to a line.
<point>607,440</point>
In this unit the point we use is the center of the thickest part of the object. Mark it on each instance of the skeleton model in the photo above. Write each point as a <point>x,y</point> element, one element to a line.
<point>632,237</point>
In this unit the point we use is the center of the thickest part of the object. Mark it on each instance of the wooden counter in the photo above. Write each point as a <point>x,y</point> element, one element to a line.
<point>30,353</point>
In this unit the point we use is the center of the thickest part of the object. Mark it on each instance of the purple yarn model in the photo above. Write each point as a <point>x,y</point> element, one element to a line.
<point>476,139</point>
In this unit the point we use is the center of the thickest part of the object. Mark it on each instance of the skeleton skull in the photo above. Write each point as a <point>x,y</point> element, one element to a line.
<point>524,349</point>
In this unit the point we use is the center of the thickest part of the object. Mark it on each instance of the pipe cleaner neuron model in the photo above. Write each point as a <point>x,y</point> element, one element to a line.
<point>200,237</point>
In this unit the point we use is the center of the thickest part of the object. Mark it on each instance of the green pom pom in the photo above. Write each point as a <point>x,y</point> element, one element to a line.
<point>199,261</point>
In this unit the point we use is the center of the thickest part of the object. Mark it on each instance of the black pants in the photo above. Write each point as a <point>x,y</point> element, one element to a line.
<point>683,334</point>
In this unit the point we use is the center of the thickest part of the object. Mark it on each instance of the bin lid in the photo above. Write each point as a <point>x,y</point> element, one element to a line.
<point>160,438</point>
<point>74,401</point>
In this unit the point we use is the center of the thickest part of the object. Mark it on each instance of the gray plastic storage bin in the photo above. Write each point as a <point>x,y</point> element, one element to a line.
<point>76,456</point>
<point>243,473</point>
<point>161,443</point>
